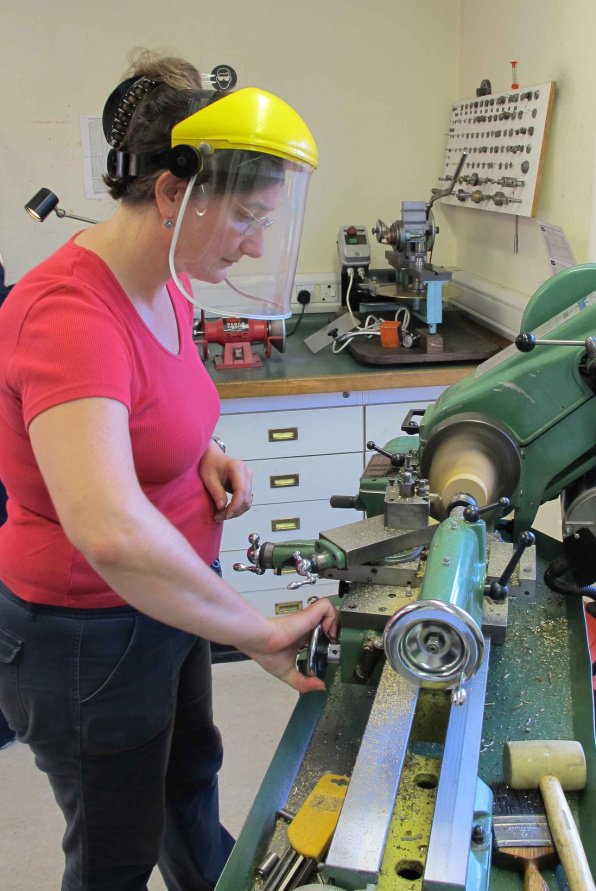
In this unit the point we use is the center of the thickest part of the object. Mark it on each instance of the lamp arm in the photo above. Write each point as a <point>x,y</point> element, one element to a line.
<point>72,216</point>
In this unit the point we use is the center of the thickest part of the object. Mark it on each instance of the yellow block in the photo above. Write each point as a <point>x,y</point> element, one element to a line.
<point>311,830</point>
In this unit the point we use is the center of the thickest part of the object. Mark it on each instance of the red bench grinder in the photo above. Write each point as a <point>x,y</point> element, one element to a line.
<point>237,336</point>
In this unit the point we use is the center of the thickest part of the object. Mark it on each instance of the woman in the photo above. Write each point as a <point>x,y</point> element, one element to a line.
<point>117,491</point>
<point>7,735</point>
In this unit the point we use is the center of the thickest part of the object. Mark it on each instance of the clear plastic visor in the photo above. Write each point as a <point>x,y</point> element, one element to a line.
<point>237,236</point>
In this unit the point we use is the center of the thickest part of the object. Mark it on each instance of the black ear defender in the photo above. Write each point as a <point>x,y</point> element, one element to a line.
<point>184,161</point>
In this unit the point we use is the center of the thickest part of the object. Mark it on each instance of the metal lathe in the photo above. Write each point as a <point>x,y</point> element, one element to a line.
<point>461,627</point>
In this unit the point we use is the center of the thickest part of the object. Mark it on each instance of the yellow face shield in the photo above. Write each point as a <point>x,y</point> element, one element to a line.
<point>236,237</point>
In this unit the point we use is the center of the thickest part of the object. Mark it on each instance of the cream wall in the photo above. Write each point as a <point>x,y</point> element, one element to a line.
<point>551,41</point>
<point>374,83</point>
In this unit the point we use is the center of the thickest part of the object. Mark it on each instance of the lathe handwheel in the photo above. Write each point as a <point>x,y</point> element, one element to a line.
<point>314,663</point>
<point>314,658</point>
<point>433,644</point>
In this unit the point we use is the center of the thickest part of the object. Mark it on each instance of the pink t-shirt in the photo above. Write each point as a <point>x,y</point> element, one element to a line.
<point>68,331</point>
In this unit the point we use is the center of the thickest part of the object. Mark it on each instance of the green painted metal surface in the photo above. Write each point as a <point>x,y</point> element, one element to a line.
<point>459,578</point>
<point>544,403</point>
<point>557,293</point>
<point>539,686</point>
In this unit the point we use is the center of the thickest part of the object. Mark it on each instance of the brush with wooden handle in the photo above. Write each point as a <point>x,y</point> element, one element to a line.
<point>521,837</point>
<point>553,765</point>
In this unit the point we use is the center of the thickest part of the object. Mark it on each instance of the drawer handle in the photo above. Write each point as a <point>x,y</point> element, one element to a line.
<point>287,606</point>
<point>288,524</point>
<point>284,481</point>
<point>283,434</point>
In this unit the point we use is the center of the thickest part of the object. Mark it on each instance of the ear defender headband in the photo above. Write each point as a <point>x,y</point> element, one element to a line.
<point>120,107</point>
<point>184,161</point>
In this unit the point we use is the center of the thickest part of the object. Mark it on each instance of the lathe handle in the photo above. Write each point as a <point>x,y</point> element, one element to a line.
<point>409,426</point>
<point>498,589</point>
<point>526,341</point>
<point>397,460</point>
<point>565,836</point>
<point>472,513</point>
<point>345,501</point>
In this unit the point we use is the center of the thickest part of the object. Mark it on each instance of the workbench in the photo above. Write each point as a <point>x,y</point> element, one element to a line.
<point>299,371</point>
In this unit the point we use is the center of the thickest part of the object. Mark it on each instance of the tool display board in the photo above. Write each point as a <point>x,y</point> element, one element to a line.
<point>505,136</point>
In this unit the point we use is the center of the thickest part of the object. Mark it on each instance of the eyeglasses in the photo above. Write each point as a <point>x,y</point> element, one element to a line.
<point>249,221</point>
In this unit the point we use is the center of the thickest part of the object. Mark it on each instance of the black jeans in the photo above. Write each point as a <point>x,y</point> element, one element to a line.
<point>117,710</point>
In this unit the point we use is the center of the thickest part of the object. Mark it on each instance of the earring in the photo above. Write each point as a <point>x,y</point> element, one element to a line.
<point>168,223</point>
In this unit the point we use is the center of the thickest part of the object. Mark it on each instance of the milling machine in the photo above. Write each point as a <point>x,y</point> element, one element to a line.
<point>451,644</point>
<point>410,291</point>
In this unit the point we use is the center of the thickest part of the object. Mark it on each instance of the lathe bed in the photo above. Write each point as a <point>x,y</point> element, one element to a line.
<point>538,686</point>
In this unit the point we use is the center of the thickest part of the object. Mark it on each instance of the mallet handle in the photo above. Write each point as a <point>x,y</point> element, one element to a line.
<point>565,835</point>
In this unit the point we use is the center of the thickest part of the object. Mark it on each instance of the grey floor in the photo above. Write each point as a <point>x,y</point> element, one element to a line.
<point>251,710</point>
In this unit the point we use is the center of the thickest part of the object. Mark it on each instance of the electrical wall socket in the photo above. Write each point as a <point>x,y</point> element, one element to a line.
<point>323,289</point>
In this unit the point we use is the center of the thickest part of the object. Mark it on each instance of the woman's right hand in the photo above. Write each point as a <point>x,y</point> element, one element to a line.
<point>288,635</point>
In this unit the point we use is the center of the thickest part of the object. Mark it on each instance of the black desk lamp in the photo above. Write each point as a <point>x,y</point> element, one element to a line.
<point>44,202</point>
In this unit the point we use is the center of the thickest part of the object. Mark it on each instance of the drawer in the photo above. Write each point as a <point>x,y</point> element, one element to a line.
<point>268,591</point>
<point>277,434</point>
<point>383,422</point>
<point>285,521</point>
<point>305,479</point>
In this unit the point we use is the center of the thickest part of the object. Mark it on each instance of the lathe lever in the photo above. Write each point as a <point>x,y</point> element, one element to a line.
<point>397,460</point>
<point>442,193</point>
<point>472,513</point>
<point>498,589</point>
<point>525,342</point>
<point>303,567</point>
<point>242,567</point>
<point>253,555</point>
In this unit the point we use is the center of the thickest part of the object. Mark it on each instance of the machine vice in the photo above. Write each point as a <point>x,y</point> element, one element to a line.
<point>451,643</point>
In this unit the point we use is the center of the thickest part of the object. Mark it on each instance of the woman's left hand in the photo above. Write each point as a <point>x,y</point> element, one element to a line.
<point>222,475</point>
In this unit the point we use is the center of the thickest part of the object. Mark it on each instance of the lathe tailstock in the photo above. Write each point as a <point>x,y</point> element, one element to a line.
<point>452,642</point>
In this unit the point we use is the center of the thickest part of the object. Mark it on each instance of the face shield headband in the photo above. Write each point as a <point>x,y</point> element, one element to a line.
<point>236,237</point>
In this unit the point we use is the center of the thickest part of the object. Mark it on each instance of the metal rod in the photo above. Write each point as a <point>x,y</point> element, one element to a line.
<point>281,870</point>
<point>287,881</point>
<point>267,865</point>
<point>304,873</point>
<point>561,342</point>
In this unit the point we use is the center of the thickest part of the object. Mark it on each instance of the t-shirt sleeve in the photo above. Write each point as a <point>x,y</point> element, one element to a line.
<point>70,346</point>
